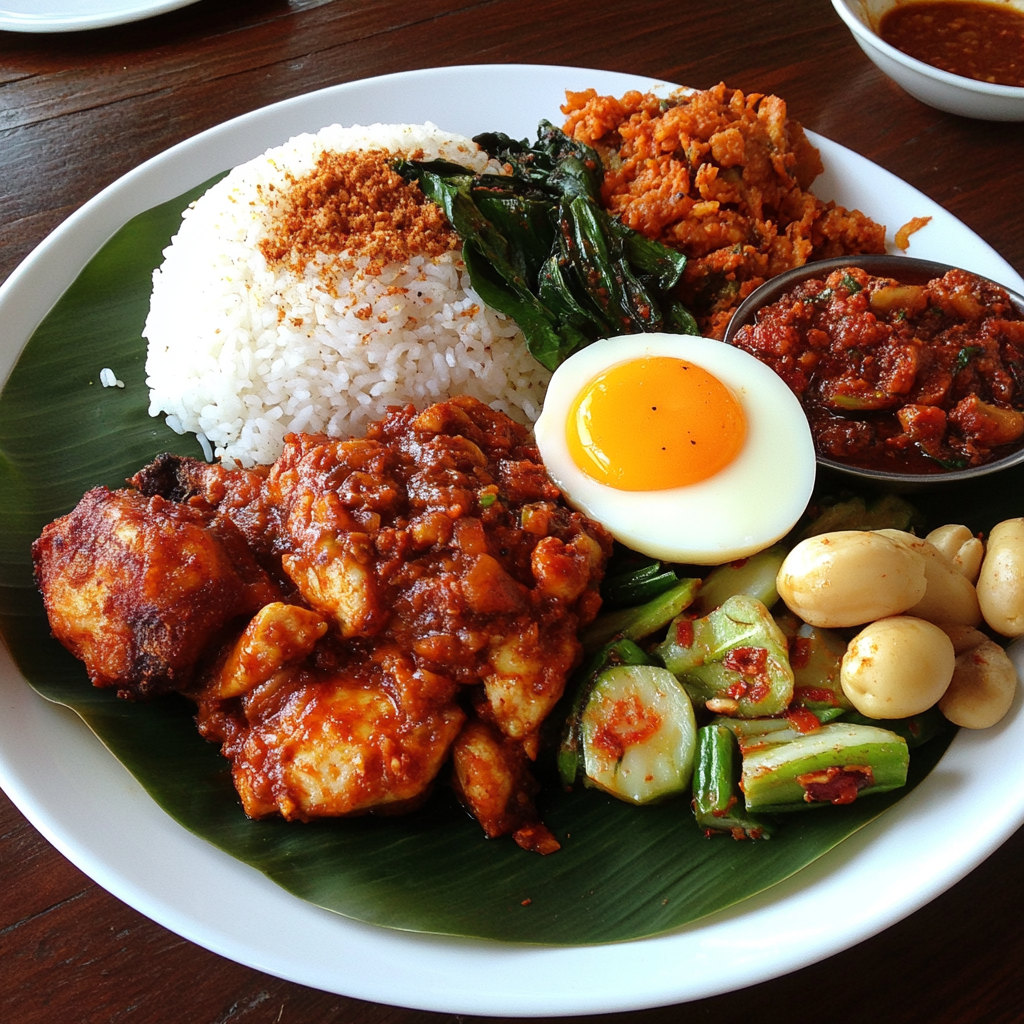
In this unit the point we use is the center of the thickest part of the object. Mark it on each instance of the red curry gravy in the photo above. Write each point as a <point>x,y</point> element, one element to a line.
<point>911,378</point>
<point>970,38</point>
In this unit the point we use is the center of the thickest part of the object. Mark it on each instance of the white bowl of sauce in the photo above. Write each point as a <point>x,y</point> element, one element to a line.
<point>970,46</point>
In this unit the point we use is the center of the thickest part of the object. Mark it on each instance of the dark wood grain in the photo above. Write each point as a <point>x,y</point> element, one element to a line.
<point>81,109</point>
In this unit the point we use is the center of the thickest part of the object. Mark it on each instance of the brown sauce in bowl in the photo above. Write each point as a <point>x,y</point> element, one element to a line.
<point>970,38</point>
<point>905,377</point>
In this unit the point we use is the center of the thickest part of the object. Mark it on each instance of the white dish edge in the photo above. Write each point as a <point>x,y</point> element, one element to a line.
<point>89,15</point>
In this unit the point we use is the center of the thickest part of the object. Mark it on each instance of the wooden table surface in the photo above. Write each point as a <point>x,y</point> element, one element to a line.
<point>78,110</point>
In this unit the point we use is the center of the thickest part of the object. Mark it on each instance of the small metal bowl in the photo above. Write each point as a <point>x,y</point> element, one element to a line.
<point>940,89</point>
<point>909,271</point>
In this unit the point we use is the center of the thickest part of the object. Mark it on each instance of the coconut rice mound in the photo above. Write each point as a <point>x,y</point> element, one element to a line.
<point>244,349</point>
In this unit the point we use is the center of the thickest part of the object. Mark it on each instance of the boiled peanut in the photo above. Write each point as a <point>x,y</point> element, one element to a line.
<point>850,577</point>
<point>1001,583</point>
<point>961,547</point>
<point>965,638</point>
<point>897,667</point>
<point>950,596</point>
<point>982,688</point>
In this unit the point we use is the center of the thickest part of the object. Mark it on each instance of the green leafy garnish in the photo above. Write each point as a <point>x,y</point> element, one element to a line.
<point>634,586</point>
<point>964,356</point>
<point>946,462</point>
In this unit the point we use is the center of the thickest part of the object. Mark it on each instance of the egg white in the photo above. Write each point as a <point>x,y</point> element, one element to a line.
<point>748,505</point>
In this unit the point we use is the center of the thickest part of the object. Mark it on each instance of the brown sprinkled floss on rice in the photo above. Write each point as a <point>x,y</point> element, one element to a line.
<point>312,288</point>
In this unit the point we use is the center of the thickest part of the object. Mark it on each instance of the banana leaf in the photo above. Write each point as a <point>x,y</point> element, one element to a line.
<point>622,872</point>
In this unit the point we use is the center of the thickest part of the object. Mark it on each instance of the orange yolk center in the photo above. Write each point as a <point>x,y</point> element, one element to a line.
<point>655,423</point>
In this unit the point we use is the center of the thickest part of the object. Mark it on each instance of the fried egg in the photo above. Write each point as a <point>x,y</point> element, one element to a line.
<point>685,449</point>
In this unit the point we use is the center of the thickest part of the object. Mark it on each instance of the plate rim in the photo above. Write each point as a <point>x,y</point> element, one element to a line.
<point>126,12</point>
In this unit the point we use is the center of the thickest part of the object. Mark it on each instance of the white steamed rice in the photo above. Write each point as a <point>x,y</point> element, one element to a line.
<point>227,361</point>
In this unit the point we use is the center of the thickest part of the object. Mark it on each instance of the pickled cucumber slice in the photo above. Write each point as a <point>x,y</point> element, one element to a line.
<point>836,764</point>
<point>733,660</point>
<point>638,734</point>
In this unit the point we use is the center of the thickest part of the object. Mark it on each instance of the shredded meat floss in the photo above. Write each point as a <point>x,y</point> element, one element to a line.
<point>354,202</point>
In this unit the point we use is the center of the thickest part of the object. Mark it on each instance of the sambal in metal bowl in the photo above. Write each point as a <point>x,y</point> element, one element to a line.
<point>905,368</point>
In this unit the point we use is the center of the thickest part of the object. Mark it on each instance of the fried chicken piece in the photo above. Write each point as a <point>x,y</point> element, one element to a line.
<point>335,741</point>
<point>332,500</point>
<point>138,588</point>
<point>235,493</point>
<point>492,779</point>
<point>279,636</point>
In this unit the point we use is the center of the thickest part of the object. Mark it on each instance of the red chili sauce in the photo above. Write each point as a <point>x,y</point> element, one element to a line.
<point>972,39</point>
<point>910,378</point>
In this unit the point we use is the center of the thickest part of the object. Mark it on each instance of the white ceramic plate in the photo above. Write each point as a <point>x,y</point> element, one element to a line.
<point>75,15</point>
<point>93,811</point>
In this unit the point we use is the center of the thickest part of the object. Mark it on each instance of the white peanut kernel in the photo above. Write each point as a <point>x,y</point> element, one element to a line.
<point>949,596</point>
<point>1001,582</point>
<point>850,577</point>
<point>961,547</point>
<point>897,667</point>
<point>982,688</point>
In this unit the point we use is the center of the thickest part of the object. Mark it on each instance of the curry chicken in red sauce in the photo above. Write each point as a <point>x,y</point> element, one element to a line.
<point>351,619</point>
<point>913,378</point>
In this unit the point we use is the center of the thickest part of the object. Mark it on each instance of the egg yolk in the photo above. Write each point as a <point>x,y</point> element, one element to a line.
<point>654,423</point>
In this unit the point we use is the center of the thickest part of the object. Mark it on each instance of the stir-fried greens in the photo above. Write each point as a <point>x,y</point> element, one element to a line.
<point>540,247</point>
